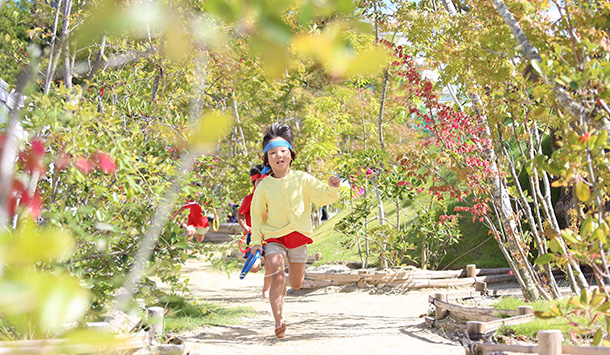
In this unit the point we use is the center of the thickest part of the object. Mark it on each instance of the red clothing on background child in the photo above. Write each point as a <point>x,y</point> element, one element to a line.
<point>245,209</point>
<point>196,217</point>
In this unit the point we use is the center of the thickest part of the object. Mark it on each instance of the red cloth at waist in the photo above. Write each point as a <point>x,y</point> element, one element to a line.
<point>292,240</point>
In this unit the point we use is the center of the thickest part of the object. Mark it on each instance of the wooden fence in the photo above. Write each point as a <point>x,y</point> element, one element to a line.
<point>141,343</point>
<point>481,323</point>
<point>412,280</point>
<point>550,342</point>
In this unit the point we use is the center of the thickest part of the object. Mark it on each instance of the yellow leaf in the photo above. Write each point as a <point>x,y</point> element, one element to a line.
<point>541,112</point>
<point>368,63</point>
<point>7,38</point>
<point>209,129</point>
<point>274,57</point>
<point>558,183</point>
<point>582,191</point>
<point>177,41</point>
<point>29,245</point>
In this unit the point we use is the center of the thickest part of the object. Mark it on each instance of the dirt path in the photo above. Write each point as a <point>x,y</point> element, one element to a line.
<point>324,321</point>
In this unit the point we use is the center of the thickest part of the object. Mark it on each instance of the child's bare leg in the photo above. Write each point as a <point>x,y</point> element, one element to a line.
<point>276,288</point>
<point>189,239</point>
<point>296,275</point>
<point>200,238</point>
<point>267,281</point>
<point>189,236</point>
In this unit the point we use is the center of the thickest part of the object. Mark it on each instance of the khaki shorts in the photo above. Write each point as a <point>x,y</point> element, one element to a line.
<point>295,255</point>
<point>200,231</point>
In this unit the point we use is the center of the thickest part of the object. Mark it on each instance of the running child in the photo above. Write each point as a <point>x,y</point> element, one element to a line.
<point>281,215</point>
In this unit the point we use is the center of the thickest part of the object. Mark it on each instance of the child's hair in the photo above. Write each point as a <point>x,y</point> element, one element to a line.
<point>281,130</point>
<point>256,169</point>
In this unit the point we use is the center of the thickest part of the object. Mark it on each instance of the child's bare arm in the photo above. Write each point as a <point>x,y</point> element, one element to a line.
<point>241,219</point>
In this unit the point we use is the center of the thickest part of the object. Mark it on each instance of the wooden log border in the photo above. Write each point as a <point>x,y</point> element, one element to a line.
<point>468,313</point>
<point>405,280</point>
<point>143,342</point>
<point>549,343</point>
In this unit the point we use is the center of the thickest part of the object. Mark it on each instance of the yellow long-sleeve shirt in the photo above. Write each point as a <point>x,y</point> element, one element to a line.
<point>282,206</point>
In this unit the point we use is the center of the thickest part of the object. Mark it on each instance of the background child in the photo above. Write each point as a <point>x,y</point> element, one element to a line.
<point>244,220</point>
<point>281,215</point>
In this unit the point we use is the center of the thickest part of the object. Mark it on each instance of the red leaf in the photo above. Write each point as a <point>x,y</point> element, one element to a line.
<point>105,162</point>
<point>62,162</point>
<point>38,148</point>
<point>84,165</point>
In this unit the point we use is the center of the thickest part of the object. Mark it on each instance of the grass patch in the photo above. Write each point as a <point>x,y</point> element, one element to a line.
<point>184,314</point>
<point>328,241</point>
<point>475,245</point>
<point>530,329</point>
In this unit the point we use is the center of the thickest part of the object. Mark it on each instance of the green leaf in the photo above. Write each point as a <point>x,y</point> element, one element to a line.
<point>597,338</point>
<point>223,9</point>
<point>601,141</point>
<point>536,67</point>
<point>554,245</point>
<point>587,227</point>
<point>568,236</point>
<point>600,235</point>
<point>585,296</point>
<point>544,259</point>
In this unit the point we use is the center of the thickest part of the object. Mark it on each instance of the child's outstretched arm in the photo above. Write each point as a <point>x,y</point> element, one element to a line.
<point>319,193</point>
<point>334,181</point>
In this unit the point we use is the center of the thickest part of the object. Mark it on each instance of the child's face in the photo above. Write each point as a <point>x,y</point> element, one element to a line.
<point>279,158</point>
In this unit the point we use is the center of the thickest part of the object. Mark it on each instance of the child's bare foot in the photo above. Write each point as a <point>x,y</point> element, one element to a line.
<point>266,294</point>
<point>280,329</point>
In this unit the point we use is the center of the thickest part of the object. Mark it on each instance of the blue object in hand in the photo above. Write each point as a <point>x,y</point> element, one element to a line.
<point>249,262</point>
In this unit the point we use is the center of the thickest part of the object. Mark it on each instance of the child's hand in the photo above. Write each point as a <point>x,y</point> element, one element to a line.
<point>334,181</point>
<point>255,248</point>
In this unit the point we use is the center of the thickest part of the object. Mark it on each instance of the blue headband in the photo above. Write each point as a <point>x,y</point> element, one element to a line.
<point>275,144</point>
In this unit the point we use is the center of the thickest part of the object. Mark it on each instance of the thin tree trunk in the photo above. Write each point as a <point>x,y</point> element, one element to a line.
<point>66,44</point>
<point>50,67</point>
<point>364,134</point>
<point>534,227</point>
<point>241,140</point>
<point>450,7</point>
<point>531,53</point>
<point>381,107</point>
<point>501,199</point>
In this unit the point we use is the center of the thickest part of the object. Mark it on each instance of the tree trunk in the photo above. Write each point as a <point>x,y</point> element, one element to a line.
<point>66,44</point>
<point>501,200</point>
<point>50,65</point>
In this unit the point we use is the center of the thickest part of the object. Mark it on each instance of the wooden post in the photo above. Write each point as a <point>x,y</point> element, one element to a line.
<point>440,313</point>
<point>155,316</point>
<point>523,310</point>
<point>475,330</point>
<point>549,342</point>
<point>480,286</point>
<point>471,270</point>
